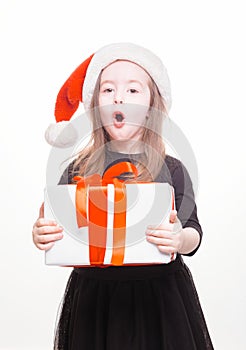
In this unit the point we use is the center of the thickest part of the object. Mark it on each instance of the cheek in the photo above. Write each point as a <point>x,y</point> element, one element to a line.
<point>104,100</point>
<point>146,99</point>
<point>105,118</point>
<point>141,115</point>
<point>100,101</point>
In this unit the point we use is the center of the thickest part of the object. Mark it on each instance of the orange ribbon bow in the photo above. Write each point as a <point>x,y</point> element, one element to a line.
<point>91,191</point>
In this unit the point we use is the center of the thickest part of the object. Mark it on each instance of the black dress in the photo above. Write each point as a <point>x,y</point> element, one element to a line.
<point>152,307</point>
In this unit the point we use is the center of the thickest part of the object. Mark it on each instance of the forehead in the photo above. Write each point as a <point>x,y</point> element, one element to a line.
<point>127,70</point>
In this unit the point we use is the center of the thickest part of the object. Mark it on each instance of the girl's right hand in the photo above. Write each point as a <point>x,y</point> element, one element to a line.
<point>45,232</point>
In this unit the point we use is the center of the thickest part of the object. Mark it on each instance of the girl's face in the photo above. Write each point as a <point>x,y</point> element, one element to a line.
<point>124,100</point>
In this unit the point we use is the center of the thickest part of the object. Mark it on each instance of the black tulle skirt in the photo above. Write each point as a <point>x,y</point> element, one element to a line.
<point>132,308</point>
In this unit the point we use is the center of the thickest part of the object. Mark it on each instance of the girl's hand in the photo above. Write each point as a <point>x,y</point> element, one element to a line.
<point>45,232</point>
<point>169,237</point>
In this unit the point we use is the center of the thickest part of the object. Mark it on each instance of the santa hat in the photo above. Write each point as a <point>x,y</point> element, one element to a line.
<point>79,87</point>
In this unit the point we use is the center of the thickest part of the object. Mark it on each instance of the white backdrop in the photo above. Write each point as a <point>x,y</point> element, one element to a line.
<point>203,46</point>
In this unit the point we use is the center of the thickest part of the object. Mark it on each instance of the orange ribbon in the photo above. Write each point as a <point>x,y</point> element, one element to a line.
<point>94,188</point>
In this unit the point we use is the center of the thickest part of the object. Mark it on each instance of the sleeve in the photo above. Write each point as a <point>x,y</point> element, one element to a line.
<point>185,201</point>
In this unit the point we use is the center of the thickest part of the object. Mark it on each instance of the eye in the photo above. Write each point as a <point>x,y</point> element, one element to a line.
<point>108,90</point>
<point>133,91</point>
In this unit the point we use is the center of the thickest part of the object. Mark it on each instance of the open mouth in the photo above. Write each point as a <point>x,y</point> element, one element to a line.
<point>119,119</point>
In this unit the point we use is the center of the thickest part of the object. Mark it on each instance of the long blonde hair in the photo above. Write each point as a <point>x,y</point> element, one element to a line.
<point>92,158</point>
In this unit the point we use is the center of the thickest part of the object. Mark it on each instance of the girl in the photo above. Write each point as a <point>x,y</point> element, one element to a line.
<point>154,307</point>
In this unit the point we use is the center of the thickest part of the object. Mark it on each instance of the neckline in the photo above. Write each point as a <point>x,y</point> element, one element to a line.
<point>125,154</point>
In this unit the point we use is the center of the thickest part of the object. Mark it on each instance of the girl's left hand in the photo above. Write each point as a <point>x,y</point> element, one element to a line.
<point>168,237</point>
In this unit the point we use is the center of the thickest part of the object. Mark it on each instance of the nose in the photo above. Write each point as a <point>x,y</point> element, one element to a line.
<point>116,101</point>
<point>119,96</point>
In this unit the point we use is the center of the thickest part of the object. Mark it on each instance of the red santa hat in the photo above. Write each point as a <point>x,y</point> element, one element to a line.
<point>80,85</point>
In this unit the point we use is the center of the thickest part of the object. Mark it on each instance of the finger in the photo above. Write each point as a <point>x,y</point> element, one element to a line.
<point>167,249</point>
<point>173,216</point>
<point>159,233</point>
<point>45,222</point>
<point>46,230</point>
<point>41,211</point>
<point>159,241</point>
<point>44,247</point>
<point>164,226</point>
<point>48,238</point>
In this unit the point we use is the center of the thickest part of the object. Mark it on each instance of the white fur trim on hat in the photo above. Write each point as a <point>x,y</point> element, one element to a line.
<point>61,134</point>
<point>131,52</point>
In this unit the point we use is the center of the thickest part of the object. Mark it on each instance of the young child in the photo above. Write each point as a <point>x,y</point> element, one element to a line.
<point>152,307</point>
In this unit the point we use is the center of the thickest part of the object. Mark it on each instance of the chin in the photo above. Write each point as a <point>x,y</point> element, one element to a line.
<point>124,135</point>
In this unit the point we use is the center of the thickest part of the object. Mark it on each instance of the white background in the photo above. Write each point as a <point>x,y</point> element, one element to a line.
<point>202,43</point>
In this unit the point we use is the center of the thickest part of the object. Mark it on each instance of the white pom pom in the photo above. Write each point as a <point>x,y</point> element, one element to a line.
<point>61,134</point>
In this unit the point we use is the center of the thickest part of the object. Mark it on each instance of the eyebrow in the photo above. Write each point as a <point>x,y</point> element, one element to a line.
<point>129,81</point>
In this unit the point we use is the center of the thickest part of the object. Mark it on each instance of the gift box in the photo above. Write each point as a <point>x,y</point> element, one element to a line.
<point>104,221</point>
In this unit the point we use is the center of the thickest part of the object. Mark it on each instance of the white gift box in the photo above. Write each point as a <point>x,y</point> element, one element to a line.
<point>146,204</point>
